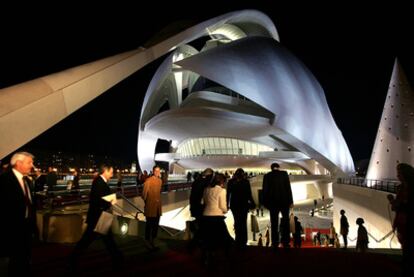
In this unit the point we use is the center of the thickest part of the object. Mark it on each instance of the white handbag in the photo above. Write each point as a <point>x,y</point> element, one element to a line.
<point>104,223</point>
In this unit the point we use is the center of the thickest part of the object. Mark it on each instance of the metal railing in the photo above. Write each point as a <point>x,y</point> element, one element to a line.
<point>63,197</point>
<point>382,185</point>
<point>375,239</point>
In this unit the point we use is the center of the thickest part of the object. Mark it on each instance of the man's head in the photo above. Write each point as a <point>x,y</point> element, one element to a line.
<point>38,172</point>
<point>156,171</point>
<point>342,212</point>
<point>50,169</point>
<point>106,171</point>
<point>22,162</point>
<point>274,166</point>
<point>207,172</point>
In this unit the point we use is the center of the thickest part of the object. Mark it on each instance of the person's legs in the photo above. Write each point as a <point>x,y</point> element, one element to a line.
<point>240,226</point>
<point>285,226</point>
<point>112,248</point>
<point>154,231</point>
<point>87,238</point>
<point>148,228</point>
<point>345,237</point>
<point>274,221</point>
<point>19,260</point>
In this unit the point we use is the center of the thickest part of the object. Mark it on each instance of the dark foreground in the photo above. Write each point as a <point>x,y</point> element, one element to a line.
<point>174,259</point>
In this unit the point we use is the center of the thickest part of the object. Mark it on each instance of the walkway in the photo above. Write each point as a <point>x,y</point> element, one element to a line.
<point>174,259</point>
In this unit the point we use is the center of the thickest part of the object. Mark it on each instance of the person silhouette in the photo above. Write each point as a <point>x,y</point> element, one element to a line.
<point>402,204</point>
<point>344,228</point>
<point>278,198</point>
<point>260,242</point>
<point>267,236</point>
<point>297,236</point>
<point>362,239</point>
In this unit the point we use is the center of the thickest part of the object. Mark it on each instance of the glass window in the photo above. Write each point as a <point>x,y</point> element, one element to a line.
<point>197,147</point>
<point>217,147</point>
<point>242,146</point>
<point>229,146</point>
<point>248,148</point>
<point>191,147</point>
<point>223,147</point>
<point>235,146</point>
<point>254,149</point>
<point>211,144</point>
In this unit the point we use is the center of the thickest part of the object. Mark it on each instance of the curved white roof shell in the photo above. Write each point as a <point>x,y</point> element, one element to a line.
<point>262,70</point>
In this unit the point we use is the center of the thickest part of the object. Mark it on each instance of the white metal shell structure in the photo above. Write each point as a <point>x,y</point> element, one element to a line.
<point>395,137</point>
<point>285,103</point>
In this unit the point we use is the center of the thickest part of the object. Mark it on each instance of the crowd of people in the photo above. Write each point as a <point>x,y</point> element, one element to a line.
<point>209,202</point>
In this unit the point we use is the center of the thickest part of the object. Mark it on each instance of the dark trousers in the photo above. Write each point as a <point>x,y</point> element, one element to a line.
<point>297,240</point>
<point>19,258</point>
<point>151,228</point>
<point>284,226</point>
<point>195,227</point>
<point>345,237</point>
<point>88,237</point>
<point>240,227</point>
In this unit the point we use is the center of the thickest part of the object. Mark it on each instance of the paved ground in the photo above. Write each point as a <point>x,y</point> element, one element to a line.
<point>174,259</point>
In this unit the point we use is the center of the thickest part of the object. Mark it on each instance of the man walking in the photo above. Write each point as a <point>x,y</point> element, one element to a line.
<point>152,197</point>
<point>19,217</point>
<point>277,197</point>
<point>97,205</point>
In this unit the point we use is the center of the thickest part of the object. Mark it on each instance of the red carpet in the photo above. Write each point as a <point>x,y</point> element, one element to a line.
<point>174,259</point>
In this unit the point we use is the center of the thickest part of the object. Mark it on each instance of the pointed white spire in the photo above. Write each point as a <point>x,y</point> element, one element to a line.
<point>395,138</point>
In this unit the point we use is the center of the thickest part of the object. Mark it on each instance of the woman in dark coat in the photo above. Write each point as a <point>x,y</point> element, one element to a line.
<point>239,197</point>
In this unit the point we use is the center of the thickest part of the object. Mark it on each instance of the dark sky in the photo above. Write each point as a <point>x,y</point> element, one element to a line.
<point>350,50</point>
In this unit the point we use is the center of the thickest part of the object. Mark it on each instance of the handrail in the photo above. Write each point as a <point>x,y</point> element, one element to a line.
<point>376,240</point>
<point>130,203</point>
<point>382,185</point>
<point>140,211</point>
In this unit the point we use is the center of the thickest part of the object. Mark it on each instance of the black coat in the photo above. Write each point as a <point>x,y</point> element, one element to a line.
<point>96,203</point>
<point>239,195</point>
<point>197,190</point>
<point>13,207</point>
<point>277,192</point>
<point>39,183</point>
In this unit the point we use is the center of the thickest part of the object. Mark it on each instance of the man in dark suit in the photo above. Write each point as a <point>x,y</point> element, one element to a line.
<point>97,205</point>
<point>51,179</point>
<point>39,181</point>
<point>277,197</point>
<point>19,224</point>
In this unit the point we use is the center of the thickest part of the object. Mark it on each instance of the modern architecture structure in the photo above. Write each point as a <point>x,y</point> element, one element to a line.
<point>241,100</point>
<point>395,138</point>
<point>393,145</point>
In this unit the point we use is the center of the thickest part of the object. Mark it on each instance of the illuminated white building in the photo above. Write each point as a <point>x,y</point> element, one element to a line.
<point>242,100</point>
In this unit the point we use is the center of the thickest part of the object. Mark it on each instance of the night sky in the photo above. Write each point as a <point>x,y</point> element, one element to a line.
<point>350,50</point>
